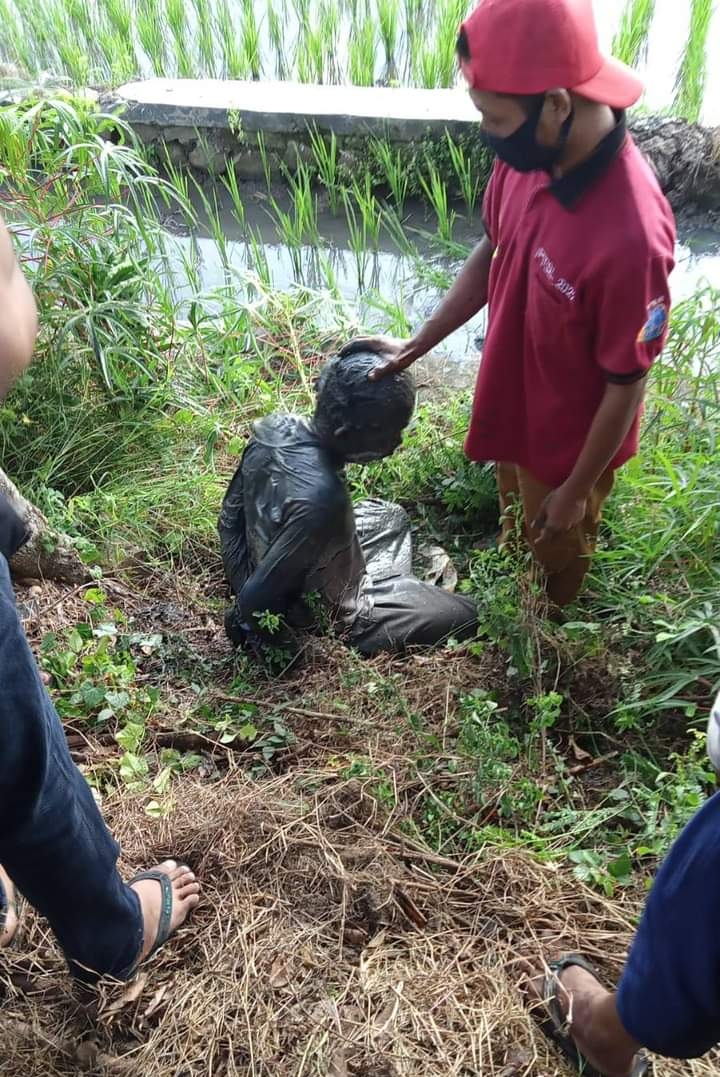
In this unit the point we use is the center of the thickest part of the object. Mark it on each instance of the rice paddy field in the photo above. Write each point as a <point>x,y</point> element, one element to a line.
<point>363,42</point>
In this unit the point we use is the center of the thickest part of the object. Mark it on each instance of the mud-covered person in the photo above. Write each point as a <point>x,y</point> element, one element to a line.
<point>54,846</point>
<point>288,527</point>
<point>575,263</point>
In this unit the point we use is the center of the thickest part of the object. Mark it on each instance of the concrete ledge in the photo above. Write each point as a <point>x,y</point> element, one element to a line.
<point>287,108</point>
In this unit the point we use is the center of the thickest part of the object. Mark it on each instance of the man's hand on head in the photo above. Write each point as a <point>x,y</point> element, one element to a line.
<point>394,354</point>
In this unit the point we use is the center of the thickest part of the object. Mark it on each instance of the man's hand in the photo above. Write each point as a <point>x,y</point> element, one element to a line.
<point>561,510</point>
<point>398,354</point>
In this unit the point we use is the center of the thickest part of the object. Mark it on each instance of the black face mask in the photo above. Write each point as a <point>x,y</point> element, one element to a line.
<point>522,151</point>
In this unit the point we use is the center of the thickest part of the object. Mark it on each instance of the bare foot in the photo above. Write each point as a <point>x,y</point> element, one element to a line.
<point>596,1028</point>
<point>186,895</point>
<point>9,920</point>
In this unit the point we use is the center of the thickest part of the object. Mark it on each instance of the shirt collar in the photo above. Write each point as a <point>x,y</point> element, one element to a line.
<point>571,187</point>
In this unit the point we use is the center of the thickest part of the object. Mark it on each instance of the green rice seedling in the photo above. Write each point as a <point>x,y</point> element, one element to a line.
<point>264,158</point>
<point>428,67</point>
<point>231,185</point>
<point>251,39</point>
<point>74,59</point>
<point>302,10</point>
<point>119,15</point>
<point>77,16</point>
<point>234,66</point>
<point>361,54</point>
<point>38,31</point>
<point>312,52</point>
<point>120,64</point>
<point>276,33</point>
<point>395,229</point>
<point>388,19</point>
<point>468,180</point>
<point>213,218</point>
<point>435,190</point>
<point>631,40</point>
<point>369,208</point>
<point>414,29</point>
<point>329,276</point>
<point>394,314</point>
<point>304,201</point>
<point>303,68</point>
<point>357,237</point>
<point>329,29</point>
<point>179,181</point>
<point>450,15</point>
<point>394,170</point>
<point>287,226</point>
<point>176,15</point>
<point>16,49</point>
<point>325,153</point>
<point>258,258</point>
<point>692,75</point>
<point>205,37</point>
<point>151,34</point>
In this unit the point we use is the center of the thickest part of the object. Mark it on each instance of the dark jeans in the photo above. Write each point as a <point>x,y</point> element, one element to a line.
<point>54,844</point>
<point>669,995</point>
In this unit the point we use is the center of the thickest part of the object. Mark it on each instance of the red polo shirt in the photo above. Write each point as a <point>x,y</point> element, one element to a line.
<point>578,297</point>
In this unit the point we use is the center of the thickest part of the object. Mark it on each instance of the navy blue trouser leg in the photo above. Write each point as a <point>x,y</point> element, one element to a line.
<point>54,844</point>
<point>669,995</point>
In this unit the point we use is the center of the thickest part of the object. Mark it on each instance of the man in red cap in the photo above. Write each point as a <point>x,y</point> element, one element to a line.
<point>575,263</point>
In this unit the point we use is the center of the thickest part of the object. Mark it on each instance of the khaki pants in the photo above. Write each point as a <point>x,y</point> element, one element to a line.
<point>565,558</point>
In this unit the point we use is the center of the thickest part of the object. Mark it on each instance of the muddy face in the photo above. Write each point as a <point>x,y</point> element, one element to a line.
<point>359,419</point>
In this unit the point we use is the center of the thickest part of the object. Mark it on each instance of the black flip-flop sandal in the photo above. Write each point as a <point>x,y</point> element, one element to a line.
<point>555,1025</point>
<point>164,931</point>
<point>18,905</point>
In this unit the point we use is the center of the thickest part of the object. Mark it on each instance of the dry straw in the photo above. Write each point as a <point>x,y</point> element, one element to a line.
<point>323,946</point>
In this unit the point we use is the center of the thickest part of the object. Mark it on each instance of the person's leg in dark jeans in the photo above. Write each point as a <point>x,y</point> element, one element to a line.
<point>54,844</point>
<point>668,999</point>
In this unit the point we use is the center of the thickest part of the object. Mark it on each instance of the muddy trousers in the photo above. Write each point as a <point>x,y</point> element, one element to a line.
<point>54,844</point>
<point>564,559</point>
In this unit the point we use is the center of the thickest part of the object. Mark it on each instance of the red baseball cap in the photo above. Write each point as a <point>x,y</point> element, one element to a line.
<point>530,46</point>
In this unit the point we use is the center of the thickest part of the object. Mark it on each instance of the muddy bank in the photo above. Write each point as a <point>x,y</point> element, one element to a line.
<point>212,126</point>
<point>686,158</point>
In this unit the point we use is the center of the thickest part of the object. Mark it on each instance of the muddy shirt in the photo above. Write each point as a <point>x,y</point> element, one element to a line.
<point>287,525</point>
<point>288,528</point>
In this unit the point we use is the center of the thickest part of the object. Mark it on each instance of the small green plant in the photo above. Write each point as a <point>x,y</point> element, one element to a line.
<point>362,46</point>
<point>467,178</point>
<point>388,19</point>
<point>394,170</point>
<point>94,672</point>
<point>177,21</point>
<point>251,40</point>
<point>272,623</point>
<point>325,152</point>
<point>630,41</point>
<point>436,191</point>
<point>231,46</point>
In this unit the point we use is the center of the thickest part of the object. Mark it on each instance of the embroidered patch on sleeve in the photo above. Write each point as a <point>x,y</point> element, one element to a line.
<point>657,321</point>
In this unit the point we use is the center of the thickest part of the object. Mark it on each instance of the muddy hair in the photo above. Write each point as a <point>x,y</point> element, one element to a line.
<point>529,103</point>
<point>352,411</point>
